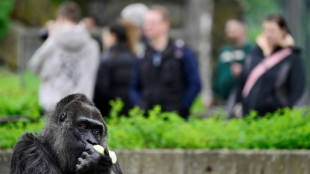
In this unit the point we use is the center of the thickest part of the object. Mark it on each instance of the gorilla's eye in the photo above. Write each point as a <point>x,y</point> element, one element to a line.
<point>62,117</point>
<point>83,126</point>
<point>97,132</point>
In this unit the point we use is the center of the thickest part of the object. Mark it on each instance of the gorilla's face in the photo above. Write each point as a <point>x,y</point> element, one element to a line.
<point>85,125</point>
<point>74,126</point>
<point>89,131</point>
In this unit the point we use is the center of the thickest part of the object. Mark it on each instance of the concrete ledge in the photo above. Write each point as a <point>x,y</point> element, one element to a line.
<point>5,161</point>
<point>204,161</point>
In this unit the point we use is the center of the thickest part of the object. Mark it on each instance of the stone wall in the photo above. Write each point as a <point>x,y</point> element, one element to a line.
<point>204,161</point>
<point>5,159</point>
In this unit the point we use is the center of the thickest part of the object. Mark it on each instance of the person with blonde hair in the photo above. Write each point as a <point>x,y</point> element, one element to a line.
<point>273,76</point>
<point>135,13</point>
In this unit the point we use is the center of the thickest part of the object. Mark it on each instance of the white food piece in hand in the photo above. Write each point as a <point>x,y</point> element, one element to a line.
<point>112,154</point>
<point>99,149</point>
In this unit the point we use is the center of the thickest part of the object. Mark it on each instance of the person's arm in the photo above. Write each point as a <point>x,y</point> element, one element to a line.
<point>245,72</point>
<point>102,85</point>
<point>89,70</point>
<point>134,91</point>
<point>241,82</point>
<point>37,63</point>
<point>297,83</point>
<point>217,72</point>
<point>235,97</point>
<point>192,78</point>
<point>215,80</point>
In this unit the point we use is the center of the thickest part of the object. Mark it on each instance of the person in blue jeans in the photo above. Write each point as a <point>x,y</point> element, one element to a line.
<point>166,73</point>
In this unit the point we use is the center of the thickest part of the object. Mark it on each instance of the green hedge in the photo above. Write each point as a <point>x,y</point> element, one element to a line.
<point>285,129</point>
<point>6,7</point>
<point>19,95</point>
<point>11,132</point>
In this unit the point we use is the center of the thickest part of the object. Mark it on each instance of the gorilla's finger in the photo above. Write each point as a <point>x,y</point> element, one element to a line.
<point>106,152</point>
<point>78,168</point>
<point>79,161</point>
<point>91,151</point>
<point>88,147</point>
<point>84,155</point>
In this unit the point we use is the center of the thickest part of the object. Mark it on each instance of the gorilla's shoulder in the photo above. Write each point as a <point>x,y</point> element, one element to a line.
<point>29,153</point>
<point>27,141</point>
<point>28,137</point>
<point>28,147</point>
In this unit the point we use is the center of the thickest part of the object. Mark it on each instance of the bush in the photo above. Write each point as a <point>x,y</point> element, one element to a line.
<point>6,6</point>
<point>17,98</point>
<point>11,132</point>
<point>284,129</point>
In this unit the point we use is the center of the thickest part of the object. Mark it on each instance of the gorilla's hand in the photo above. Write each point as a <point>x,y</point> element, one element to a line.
<point>93,162</point>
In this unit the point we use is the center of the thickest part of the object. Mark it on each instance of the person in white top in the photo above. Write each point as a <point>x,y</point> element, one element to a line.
<point>68,60</point>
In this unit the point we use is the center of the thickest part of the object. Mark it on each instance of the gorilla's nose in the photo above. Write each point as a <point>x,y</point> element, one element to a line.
<point>92,142</point>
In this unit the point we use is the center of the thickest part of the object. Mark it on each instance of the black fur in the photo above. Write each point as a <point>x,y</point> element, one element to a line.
<point>64,146</point>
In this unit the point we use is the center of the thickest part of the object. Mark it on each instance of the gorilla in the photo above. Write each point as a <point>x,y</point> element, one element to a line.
<point>65,145</point>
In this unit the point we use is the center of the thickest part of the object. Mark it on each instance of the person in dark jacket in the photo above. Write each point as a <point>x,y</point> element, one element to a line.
<point>167,73</point>
<point>231,58</point>
<point>115,70</point>
<point>282,84</point>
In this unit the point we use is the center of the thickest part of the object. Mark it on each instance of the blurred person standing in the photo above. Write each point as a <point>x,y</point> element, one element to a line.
<point>135,14</point>
<point>273,75</point>
<point>167,73</point>
<point>67,61</point>
<point>231,58</point>
<point>116,66</point>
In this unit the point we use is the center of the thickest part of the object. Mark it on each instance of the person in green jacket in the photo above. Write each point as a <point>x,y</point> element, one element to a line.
<point>231,58</point>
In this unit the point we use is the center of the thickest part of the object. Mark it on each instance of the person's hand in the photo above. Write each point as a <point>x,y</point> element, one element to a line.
<point>236,69</point>
<point>208,103</point>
